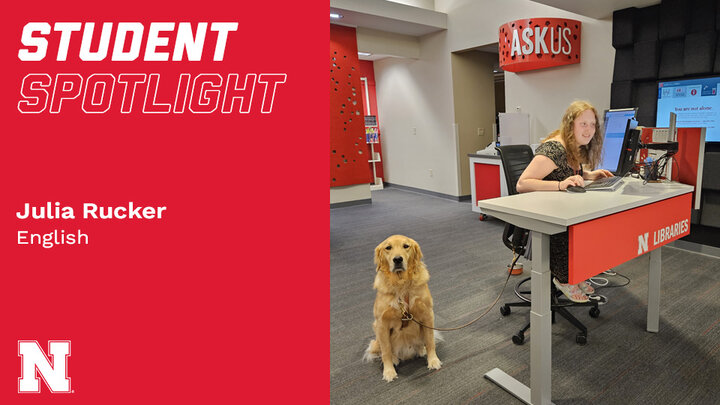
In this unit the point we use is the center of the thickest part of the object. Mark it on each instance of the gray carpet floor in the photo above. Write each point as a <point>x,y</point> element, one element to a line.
<point>621,363</point>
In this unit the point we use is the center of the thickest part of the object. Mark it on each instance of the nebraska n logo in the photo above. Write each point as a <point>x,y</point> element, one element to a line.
<point>642,243</point>
<point>35,361</point>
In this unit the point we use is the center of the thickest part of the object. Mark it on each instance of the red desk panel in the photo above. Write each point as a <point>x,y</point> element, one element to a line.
<point>599,244</point>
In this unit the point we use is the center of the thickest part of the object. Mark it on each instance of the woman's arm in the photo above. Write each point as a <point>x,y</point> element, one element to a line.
<point>532,178</point>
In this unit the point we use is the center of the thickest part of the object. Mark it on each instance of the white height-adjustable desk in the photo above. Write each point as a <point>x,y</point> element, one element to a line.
<point>630,221</point>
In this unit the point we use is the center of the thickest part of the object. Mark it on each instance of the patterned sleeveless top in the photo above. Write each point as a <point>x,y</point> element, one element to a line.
<point>556,152</point>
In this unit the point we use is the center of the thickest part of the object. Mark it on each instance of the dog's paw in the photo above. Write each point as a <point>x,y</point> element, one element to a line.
<point>434,363</point>
<point>389,374</point>
<point>395,360</point>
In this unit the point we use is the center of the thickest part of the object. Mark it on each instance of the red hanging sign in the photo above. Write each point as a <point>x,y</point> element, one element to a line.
<point>537,43</point>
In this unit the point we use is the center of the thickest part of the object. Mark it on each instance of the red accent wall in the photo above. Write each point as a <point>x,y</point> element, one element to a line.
<point>367,69</point>
<point>348,150</point>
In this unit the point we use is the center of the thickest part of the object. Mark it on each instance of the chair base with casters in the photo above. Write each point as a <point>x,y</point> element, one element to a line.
<point>558,305</point>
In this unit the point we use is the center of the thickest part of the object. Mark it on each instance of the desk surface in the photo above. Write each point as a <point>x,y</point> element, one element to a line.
<point>566,208</point>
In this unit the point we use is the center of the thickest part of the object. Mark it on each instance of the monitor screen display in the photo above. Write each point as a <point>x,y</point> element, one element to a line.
<point>615,123</point>
<point>696,103</point>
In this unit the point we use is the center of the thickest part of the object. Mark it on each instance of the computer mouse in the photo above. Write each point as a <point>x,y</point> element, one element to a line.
<point>575,189</point>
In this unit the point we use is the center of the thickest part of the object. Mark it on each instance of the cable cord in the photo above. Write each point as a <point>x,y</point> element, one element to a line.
<point>599,281</point>
<point>512,266</point>
<point>602,282</point>
<point>658,166</point>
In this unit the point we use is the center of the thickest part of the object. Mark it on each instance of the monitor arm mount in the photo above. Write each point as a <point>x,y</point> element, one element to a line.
<point>670,147</point>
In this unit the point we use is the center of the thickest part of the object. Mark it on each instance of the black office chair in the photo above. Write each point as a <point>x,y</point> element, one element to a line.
<point>515,159</point>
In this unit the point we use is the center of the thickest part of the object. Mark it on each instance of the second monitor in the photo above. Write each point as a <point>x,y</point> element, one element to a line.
<point>616,123</point>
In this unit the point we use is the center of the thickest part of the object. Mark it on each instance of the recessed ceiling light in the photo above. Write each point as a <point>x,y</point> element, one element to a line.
<point>336,16</point>
<point>364,54</point>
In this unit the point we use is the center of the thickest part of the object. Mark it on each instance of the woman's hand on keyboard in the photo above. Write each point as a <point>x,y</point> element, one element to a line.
<point>598,174</point>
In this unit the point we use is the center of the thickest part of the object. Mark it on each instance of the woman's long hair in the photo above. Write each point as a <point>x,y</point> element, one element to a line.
<point>588,155</point>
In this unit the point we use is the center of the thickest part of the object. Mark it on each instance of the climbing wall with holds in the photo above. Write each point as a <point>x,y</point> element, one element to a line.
<point>348,150</point>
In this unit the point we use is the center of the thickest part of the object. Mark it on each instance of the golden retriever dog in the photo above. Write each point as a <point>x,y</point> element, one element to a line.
<point>401,281</point>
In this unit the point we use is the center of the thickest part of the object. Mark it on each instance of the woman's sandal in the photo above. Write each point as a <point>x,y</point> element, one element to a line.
<point>571,291</point>
<point>586,288</point>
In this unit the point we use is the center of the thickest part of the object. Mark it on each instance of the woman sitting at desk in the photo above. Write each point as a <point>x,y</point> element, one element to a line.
<point>557,165</point>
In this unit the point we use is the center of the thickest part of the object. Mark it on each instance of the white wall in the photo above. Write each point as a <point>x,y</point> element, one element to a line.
<point>415,111</point>
<point>428,4</point>
<point>387,43</point>
<point>418,93</point>
<point>544,93</point>
<point>355,192</point>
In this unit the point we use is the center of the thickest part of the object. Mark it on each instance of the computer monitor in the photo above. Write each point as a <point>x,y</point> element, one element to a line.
<point>615,127</point>
<point>630,145</point>
<point>696,101</point>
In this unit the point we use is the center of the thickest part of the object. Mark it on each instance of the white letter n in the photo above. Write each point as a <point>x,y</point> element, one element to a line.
<point>35,361</point>
<point>642,243</point>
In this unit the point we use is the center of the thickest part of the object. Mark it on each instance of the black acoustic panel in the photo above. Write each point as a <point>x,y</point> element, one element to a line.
<point>711,168</point>
<point>622,29</point>
<point>710,214</point>
<point>671,59</point>
<point>646,24</point>
<point>699,53</point>
<point>623,69</point>
<point>702,16</point>
<point>716,68</point>
<point>644,97</point>
<point>621,94</point>
<point>673,19</point>
<point>645,60</point>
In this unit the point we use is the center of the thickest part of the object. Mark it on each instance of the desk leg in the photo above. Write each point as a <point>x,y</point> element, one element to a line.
<point>540,321</point>
<point>540,333</point>
<point>653,314</point>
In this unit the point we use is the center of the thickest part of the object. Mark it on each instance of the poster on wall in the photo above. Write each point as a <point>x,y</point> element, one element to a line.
<point>372,131</point>
<point>147,252</point>
<point>371,134</point>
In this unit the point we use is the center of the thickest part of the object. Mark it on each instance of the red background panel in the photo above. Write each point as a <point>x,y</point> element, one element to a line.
<point>603,243</point>
<point>348,150</point>
<point>201,306</point>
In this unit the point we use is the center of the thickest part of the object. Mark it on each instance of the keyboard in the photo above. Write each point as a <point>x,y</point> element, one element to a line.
<point>605,184</point>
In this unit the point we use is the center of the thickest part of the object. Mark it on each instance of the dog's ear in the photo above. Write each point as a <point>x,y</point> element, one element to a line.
<point>417,253</point>
<point>380,261</point>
